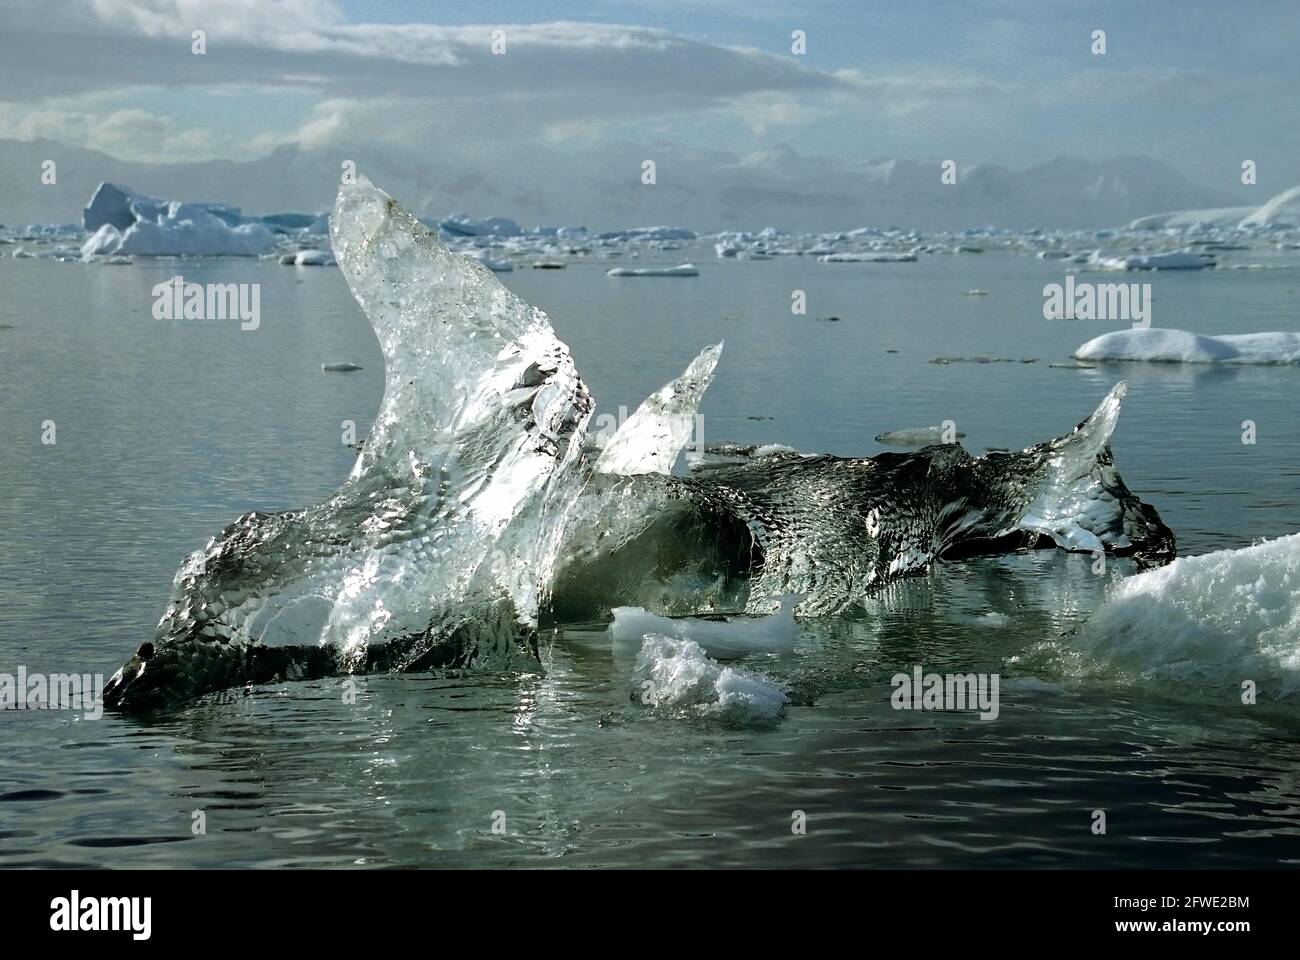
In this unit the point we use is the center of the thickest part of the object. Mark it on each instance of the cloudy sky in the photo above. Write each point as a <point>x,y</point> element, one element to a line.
<point>1200,85</point>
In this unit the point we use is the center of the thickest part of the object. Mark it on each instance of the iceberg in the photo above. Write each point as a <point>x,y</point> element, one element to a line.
<point>648,233</point>
<point>1177,260</point>
<point>473,517</point>
<point>180,230</point>
<point>308,258</point>
<point>868,258</point>
<point>681,270</point>
<point>1157,345</point>
<point>1210,621</point>
<point>460,225</point>
<point>115,206</point>
<point>724,638</point>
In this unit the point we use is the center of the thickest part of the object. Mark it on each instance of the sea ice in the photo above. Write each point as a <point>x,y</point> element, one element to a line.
<point>1213,620</point>
<point>730,638</point>
<point>1159,345</point>
<point>868,258</point>
<point>916,436</point>
<point>681,270</point>
<point>1177,260</point>
<point>677,677</point>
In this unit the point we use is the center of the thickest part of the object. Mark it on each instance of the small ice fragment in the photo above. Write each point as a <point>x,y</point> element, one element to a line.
<point>735,637</point>
<point>681,270</point>
<point>916,437</point>
<point>674,675</point>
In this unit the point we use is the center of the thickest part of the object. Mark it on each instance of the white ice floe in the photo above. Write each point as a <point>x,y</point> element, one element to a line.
<point>916,436</point>
<point>180,230</point>
<point>675,676</point>
<point>1158,345</point>
<point>1214,620</point>
<point>1175,260</point>
<point>458,224</point>
<point>868,258</point>
<point>729,638</point>
<point>681,270</point>
<point>648,234</point>
<point>308,258</point>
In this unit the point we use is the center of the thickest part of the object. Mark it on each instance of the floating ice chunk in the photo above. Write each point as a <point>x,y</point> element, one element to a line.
<point>308,258</point>
<point>1212,621</point>
<point>459,224</point>
<point>1159,345</point>
<point>441,546</point>
<point>676,677</point>
<point>735,637</point>
<point>648,233</point>
<point>917,436</point>
<point>651,439</point>
<point>1177,260</point>
<point>182,230</point>
<point>868,258</point>
<point>1076,502</point>
<point>681,270</point>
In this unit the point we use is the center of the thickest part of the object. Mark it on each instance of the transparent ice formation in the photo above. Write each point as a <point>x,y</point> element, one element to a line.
<point>473,518</point>
<point>651,439</point>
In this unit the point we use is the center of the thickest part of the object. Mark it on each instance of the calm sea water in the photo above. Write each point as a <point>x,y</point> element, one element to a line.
<point>168,430</point>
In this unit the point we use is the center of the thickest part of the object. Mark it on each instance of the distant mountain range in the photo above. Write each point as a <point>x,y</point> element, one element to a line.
<point>706,192</point>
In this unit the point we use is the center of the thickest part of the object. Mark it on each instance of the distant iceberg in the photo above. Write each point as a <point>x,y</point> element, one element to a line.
<point>308,258</point>
<point>681,270</point>
<point>1157,345</point>
<point>182,231</point>
<point>648,233</point>
<point>458,224</point>
<point>122,222</point>
<point>868,258</point>
<point>1177,260</point>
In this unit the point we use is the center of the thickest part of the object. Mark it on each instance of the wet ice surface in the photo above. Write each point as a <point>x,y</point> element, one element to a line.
<point>585,773</point>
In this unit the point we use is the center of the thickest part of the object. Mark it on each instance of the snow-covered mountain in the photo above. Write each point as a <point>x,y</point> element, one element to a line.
<point>705,191</point>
